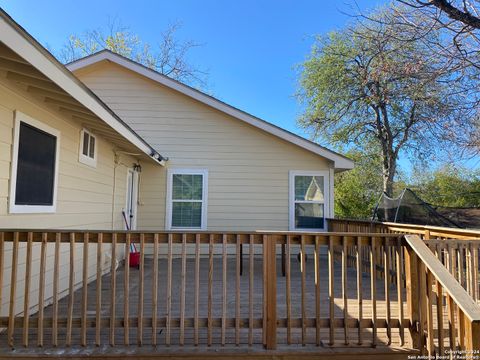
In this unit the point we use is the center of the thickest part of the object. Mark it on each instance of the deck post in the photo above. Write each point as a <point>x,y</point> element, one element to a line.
<point>413,296</point>
<point>270,282</point>
<point>473,335</point>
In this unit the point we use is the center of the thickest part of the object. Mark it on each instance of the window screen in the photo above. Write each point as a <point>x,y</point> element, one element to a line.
<point>35,166</point>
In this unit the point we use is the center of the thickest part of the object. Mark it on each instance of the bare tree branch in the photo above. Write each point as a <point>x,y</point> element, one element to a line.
<point>169,57</point>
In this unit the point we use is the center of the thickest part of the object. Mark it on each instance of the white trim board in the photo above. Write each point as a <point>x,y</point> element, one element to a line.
<point>22,43</point>
<point>340,161</point>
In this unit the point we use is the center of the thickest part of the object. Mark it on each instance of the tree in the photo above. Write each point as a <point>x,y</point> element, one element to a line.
<point>458,21</point>
<point>463,13</point>
<point>367,86</point>
<point>448,186</point>
<point>357,191</point>
<point>169,57</point>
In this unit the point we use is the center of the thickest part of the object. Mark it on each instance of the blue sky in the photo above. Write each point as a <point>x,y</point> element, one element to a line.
<point>250,48</point>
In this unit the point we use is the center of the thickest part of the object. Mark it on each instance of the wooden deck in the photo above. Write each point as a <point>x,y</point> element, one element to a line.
<point>381,338</point>
<point>353,295</point>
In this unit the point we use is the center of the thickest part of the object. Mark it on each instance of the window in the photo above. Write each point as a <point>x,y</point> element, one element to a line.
<point>309,192</point>
<point>34,166</point>
<point>88,148</point>
<point>186,199</point>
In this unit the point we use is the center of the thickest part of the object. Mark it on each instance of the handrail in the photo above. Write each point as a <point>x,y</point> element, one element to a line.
<point>151,232</point>
<point>470,308</point>
<point>428,284</point>
<point>411,228</point>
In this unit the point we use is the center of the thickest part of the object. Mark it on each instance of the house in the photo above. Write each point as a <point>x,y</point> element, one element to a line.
<point>246,168</point>
<point>108,144</point>
<point>105,144</point>
<point>107,134</point>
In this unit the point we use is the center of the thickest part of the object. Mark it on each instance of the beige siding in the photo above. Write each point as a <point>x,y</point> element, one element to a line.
<point>248,168</point>
<point>84,193</point>
<point>84,199</point>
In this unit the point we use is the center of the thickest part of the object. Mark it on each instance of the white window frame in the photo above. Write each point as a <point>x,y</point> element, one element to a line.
<point>204,201</point>
<point>84,159</point>
<point>326,197</point>
<point>26,209</point>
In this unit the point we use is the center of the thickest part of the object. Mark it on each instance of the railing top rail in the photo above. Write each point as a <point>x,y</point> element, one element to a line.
<point>455,242</point>
<point>441,229</point>
<point>469,307</point>
<point>259,232</point>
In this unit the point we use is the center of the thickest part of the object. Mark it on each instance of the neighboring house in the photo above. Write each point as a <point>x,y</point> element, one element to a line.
<point>80,144</point>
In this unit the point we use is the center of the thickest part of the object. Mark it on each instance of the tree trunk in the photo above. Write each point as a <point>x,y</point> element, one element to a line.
<point>389,168</point>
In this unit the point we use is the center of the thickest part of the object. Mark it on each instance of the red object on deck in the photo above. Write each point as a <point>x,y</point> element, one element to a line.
<point>135,259</point>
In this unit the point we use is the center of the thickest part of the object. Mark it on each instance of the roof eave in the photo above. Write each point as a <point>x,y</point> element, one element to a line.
<point>341,163</point>
<point>17,39</point>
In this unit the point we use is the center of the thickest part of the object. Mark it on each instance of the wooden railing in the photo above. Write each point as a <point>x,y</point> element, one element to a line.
<point>426,232</point>
<point>457,249</point>
<point>439,307</point>
<point>460,258</point>
<point>67,288</point>
<point>120,300</point>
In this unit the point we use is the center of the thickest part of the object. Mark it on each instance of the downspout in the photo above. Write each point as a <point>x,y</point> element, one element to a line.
<point>107,254</point>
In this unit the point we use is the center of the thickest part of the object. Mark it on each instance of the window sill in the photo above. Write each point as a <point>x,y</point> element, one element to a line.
<point>32,209</point>
<point>87,161</point>
<point>186,229</point>
<point>302,230</point>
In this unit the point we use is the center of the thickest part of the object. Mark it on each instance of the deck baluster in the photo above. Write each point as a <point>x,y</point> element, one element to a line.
<point>71,284</point>
<point>98,304</point>
<point>26,300</point>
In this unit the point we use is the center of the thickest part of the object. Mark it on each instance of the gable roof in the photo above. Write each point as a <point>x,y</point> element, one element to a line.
<point>36,58</point>
<point>340,162</point>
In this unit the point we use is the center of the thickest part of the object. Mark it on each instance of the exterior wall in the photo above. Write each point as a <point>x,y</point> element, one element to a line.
<point>84,197</point>
<point>248,168</point>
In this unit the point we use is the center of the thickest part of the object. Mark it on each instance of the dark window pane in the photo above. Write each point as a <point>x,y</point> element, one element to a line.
<point>85,144</point>
<point>187,187</point>
<point>92,147</point>
<point>186,214</point>
<point>309,188</point>
<point>309,216</point>
<point>35,167</point>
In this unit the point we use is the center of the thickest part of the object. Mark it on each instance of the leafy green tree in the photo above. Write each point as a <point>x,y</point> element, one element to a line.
<point>357,191</point>
<point>366,85</point>
<point>449,186</point>
<point>169,57</point>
